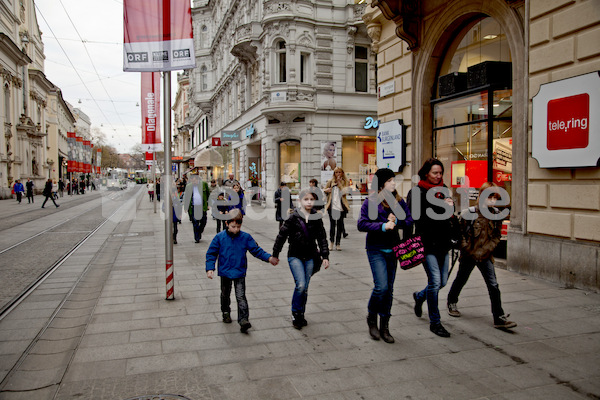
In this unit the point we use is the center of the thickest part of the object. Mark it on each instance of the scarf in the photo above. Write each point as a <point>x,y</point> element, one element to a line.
<point>426,185</point>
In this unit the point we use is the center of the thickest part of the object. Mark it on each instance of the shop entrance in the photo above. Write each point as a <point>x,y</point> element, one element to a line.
<point>472,114</point>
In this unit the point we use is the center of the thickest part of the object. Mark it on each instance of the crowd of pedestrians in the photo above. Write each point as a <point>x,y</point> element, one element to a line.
<point>74,186</point>
<point>386,218</point>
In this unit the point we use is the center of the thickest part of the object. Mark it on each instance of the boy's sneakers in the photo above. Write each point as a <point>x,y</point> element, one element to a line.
<point>245,325</point>
<point>227,317</point>
<point>453,310</point>
<point>502,322</point>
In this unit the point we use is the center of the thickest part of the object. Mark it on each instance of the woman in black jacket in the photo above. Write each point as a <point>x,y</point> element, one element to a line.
<point>436,233</point>
<point>307,247</point>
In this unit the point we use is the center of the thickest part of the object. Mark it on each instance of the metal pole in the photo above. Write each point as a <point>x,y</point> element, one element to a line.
<point>167,187</point>
<point>154,175</point>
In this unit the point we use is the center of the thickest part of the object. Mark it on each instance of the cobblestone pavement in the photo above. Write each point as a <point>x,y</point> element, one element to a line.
<point>133,342</point>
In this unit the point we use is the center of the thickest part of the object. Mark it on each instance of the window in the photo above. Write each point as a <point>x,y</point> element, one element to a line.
<point>7,118</point>
<point>281,64</point>
<point>361,64</point>
<point>203,78</point>
<point>304,57</point>
<point>204,37</point>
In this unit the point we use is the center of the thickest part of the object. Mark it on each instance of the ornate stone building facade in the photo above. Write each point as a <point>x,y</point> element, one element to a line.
<point>23,141</point>
<point>465,74</point>
<point>275,80</point>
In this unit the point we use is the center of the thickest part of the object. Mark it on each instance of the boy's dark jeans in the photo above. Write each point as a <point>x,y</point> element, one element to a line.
<point>486,267</point>
<point>240,295</point>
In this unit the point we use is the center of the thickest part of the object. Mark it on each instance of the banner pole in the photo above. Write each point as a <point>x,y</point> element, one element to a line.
<point>168,199</point>
<point>154,176</point>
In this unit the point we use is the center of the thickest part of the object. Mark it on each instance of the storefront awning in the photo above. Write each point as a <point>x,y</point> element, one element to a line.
<point>208,158</point>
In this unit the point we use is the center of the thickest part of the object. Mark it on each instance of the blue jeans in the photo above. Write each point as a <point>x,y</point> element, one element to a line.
<point>383,267</point>
<point>436,267</point>
<point>486,267</point>
<point>302,271</point>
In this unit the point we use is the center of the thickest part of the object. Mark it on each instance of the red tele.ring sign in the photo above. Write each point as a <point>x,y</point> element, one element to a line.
<point>565,129</point>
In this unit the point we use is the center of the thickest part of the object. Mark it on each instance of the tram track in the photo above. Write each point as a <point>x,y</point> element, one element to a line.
<point>23,287</point>
<point>88,282</point>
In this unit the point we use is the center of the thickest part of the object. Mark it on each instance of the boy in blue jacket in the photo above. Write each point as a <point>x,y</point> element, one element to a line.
<point>230,247</point>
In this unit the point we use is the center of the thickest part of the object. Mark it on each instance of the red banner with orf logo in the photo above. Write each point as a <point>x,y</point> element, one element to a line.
<point>151,112</point>
<point>158,35</point>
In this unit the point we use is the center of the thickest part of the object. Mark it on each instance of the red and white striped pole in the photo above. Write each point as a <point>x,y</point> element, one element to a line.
<point>167,187</point>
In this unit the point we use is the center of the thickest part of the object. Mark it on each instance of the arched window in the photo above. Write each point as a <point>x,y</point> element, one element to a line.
<point>280,51</point>
<point>204,36</point>
<point>472,116</point>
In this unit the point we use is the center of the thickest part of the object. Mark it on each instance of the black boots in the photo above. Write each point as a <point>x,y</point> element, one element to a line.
<point>384,330</point>
<point>372,322</point>
<point>299,322</point>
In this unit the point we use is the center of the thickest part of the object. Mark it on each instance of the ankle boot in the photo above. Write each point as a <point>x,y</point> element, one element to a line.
<point>384,330</point>
<point>372,322</point>
<point>298,320</point>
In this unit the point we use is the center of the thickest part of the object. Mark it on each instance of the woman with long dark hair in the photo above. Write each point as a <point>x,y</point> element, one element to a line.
<point>307,250</point>
<point>382,214</point>
<point>436,232</point>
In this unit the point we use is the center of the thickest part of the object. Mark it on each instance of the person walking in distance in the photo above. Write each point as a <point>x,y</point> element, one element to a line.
<point>382,230</point>
<point>61,187</point>
<point>195,199</point>
<point>48,193</point>
<point>337,205</point>
<point>479,237</point>
<point>157,189</point>
<point>29,187</point>
<point>435,229</point>
<point>19,190</point>
<point>283,203</point>
<point>306,252</point>
<point>230,181</point>
<point>228,249</point>
<point>150,186</point>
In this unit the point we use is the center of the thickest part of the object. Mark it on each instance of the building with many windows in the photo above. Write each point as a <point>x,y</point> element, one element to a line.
<point>25,88</point>
<point>60,120</point>
<point>483,86</point>
<point>286,87</point>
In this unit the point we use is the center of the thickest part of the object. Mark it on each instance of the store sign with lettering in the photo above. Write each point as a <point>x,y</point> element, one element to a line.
<point>391,145</point>
<point>371,123</point>
<point>566,130</point>
<point>230,136</point>
<point>250,131</point>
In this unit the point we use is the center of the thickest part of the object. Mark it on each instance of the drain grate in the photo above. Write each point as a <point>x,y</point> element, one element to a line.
<point>159,397</point>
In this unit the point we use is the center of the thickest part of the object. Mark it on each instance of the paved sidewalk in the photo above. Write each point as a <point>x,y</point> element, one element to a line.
<point>133,342</point>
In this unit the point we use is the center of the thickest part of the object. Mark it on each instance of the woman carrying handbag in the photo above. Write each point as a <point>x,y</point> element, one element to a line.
<point>437,232</point>
<point>382,214</point>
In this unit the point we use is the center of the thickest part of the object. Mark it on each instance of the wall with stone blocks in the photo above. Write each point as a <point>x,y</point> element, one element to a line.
<point>563,219</point>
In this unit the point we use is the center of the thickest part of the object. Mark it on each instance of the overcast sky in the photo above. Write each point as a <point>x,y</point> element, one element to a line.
<point>83,44</point>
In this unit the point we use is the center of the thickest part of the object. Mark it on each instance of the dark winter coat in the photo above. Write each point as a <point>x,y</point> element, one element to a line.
<point>48,189</point>
<point>280,197</point>
<point>376,237</point>
<point>314,246</point>
<point>436,234</point>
